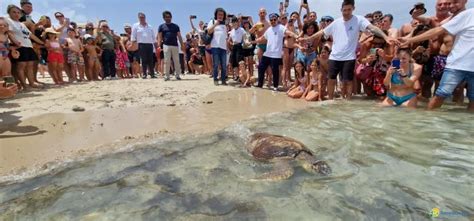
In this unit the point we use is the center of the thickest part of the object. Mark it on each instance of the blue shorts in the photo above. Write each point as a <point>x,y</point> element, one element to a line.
<point>451,79</point>
<point>306,59</point>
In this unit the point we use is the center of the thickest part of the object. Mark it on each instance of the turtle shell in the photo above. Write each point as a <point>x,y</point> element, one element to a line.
<point>266,147</point>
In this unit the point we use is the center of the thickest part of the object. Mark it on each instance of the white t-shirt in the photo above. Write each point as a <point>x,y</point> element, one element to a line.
<point>462,55</point>
<point>220,36</point>
<point>345,35</point>
<point>143,34</point>
<point>274,36</point>
<point>237,35</point>
<point>20,31</point>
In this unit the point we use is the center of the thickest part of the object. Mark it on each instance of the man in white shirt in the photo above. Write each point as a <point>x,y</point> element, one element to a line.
<point>144,36</point>
<point>459,64</point>
<point>345,33</point>
<point>272,56</point>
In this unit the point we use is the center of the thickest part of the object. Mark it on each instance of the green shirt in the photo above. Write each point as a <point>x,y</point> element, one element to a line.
<point>108,42</point>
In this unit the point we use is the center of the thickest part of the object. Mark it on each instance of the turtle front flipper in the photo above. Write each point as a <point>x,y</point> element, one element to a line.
<point>282,170</point>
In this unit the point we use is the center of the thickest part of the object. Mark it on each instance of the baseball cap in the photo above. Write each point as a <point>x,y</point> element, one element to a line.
<point>273,15</point>
<point>25,2</point>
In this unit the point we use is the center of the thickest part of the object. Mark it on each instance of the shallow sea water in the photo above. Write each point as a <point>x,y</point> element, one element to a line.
<point>388,164</point>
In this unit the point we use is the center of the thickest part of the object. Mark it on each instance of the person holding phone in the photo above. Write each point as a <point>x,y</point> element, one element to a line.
<point>459,65</point>
<point>8,90</point>
<point>218,28</point>
<point>345,32</point>
<point>400,79</point>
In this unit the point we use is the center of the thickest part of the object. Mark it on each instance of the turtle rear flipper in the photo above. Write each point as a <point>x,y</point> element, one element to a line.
<point>282,170</point>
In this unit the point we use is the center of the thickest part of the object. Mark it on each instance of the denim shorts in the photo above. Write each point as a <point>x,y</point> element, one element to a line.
<point>451,79</point>
<point>306,59</point>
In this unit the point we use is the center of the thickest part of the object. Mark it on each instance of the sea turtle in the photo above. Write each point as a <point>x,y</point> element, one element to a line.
<point>281,150</point>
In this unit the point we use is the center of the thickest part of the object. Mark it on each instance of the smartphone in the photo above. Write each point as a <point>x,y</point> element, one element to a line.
<point>281,5</point>
<point>193,16</point>
<point>305,2</point>
<point>222,22</point>
<point>287,3</point>
<point>9,80</point>
<point>396,63</point>
<point>290,21</point>
<point>373,51</point>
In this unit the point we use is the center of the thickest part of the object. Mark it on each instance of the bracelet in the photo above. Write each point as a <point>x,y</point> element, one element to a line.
<point>403,76</point>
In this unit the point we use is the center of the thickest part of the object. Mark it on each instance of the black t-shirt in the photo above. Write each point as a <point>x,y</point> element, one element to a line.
<point>23,17</point>
<point>170,33</point>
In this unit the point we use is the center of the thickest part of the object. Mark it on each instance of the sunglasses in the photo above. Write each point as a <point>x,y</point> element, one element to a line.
<point>284,18</point>
<point>273,19</point>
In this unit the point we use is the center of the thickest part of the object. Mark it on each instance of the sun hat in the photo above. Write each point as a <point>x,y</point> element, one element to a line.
<point>50,31</point>
<point>419,4</point>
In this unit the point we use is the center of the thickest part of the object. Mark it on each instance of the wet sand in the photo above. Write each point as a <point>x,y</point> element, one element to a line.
<point>32,141</point>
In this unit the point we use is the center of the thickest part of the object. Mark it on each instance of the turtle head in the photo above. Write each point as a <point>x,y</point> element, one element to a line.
<point>321,167</point>
<point>317,166</point>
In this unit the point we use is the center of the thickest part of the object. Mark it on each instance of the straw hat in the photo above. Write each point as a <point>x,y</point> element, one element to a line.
<point>49,30</point>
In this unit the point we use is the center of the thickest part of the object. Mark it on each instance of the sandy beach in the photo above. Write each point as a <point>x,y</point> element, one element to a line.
<point>39,128</point>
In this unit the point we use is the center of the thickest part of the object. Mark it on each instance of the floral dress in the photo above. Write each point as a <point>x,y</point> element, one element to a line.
<point>120,59</point>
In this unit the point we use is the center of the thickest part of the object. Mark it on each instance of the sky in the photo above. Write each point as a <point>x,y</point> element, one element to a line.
<point>119,12</point>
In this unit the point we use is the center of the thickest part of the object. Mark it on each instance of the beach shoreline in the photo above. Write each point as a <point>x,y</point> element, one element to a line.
<point>39,129</point>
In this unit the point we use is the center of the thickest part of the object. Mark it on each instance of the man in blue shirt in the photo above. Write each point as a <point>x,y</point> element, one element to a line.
<point>168,36</point>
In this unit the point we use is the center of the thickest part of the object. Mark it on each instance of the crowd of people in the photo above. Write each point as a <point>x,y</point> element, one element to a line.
<point>292,52</point>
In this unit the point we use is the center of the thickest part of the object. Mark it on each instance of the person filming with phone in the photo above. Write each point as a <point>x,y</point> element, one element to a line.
<point>400,79</point>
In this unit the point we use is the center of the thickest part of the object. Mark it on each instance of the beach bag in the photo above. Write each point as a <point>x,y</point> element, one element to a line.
<point>364,72</point>
<point>207,38</point>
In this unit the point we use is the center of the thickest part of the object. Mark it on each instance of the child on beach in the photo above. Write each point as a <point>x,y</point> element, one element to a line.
<point>121,58</point>
<point>55,55</point>
<point>246,80</point>
<point>301,82</point>
<point>74,57</point>
<point>314,90</point>
<point>93,59</point>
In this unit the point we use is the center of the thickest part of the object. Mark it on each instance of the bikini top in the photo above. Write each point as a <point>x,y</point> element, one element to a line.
<point>397,78</point>
<point>302,80</point>
<point>4,46</point>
